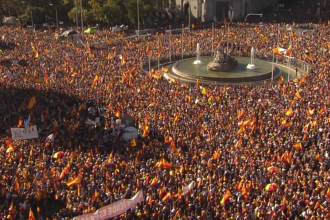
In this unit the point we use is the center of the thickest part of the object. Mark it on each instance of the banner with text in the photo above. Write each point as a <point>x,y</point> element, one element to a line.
<point>113,209</point>
<point>24,133</point>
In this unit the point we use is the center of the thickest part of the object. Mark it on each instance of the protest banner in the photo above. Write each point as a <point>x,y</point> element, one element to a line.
<point>114,209</point>
<point>24,133</point>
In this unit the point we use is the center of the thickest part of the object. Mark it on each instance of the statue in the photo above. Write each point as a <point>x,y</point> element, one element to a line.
<point>221,61</point>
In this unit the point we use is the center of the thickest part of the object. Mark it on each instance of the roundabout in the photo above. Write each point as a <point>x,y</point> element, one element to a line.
<point>186,72</point>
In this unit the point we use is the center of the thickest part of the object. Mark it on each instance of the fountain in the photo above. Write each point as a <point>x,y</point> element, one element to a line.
<point>251,65</point>
<point>222,69</point>
<point>222,62</point>
<point>198,58</point>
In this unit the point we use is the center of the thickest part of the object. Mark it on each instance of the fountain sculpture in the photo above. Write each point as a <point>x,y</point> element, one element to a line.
<point>198,58</point>
<point>222,62</point>
<point>251,65</point>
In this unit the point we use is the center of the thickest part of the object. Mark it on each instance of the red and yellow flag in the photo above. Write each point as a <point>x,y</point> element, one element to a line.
<point>297,146</point>
<point>226,197</point>
<point>20,123</point>
<point>96,79</point>
<point>31,215</point>
<point>289,112</point>
<point>32,103</point>
<point>74,182</point>
<point>133,143</point>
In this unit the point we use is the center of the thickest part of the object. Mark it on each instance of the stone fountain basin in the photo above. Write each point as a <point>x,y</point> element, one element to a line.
<point>185,69</point>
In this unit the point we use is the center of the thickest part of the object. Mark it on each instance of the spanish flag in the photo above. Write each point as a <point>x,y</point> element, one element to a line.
<point>20,122</point>
<point>238,143</point>
<point>289,112</point>
<point>297,146</point>
<point>166,197</point>
<point>96,79</point>
<point>297,95</point>
<point>74,182</point>
<point>154,181</point>
<point>172,146</point>
<point>123,61</point>
<point>175,119</point>
<point>289,51</point>
<point>16,184</point>
<point>56,127</point>
<point>277,52</point>
<point>241,130</point>
<point>133,143</point>
<point>166,164</point>
<point>117,114</point>
<point>46,78</point>
<point>31,215</point>
<point>32,103</point>
<point>145,131</point>
<point>226,197</point>
<point>310,112</point>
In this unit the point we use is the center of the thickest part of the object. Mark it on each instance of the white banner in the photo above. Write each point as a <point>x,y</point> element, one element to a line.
<point>23,133</point>
<point>114,209</point>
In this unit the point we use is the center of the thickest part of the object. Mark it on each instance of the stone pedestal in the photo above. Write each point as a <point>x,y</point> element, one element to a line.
<point>222,62</point>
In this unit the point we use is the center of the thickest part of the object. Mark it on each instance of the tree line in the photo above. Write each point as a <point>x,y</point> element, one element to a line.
<point>104,12</point>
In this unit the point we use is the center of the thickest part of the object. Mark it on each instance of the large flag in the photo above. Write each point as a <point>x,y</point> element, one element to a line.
<point>32,103</point>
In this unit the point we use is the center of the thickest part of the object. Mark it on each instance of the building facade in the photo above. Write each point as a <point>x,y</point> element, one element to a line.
<point>217,10</point>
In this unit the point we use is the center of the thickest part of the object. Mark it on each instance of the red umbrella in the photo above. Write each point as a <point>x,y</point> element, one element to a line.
<point>273,169</point>
<point>271,187</point>
<point>59,154</point>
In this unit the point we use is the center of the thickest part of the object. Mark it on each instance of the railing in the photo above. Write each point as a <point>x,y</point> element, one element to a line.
<point>301,65</point>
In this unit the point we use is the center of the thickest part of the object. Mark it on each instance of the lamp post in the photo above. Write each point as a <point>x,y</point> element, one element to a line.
<point>56,16</point>
<point>253,14</point>
<point>76,5</point>
<point>230,16</point>
<point>170,43</point>
<point>182,41</point>
<point>81,16</point>
<point>189,12</point>
<point>31,14</point>
<point>138,16</point>
<point>212,40</point>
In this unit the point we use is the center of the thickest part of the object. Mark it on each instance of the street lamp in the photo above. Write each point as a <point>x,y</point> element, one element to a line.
<point>253,15</point>
<point>82,20</point>
<point>51,4</point>
<point>138,16</point>
<point>31,14</point>
<point>230,16</point>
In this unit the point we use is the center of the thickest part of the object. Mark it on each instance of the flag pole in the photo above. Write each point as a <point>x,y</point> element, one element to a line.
<point>170,38</point>
<point>290,56</point>
<point>182,42</point>
<point>212,39</point>
<point>273,67</point>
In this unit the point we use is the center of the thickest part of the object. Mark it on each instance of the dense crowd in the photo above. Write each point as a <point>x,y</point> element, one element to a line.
<point>253,152</point>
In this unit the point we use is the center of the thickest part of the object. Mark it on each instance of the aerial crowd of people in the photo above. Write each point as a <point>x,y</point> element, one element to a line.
<point>248,151</point>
